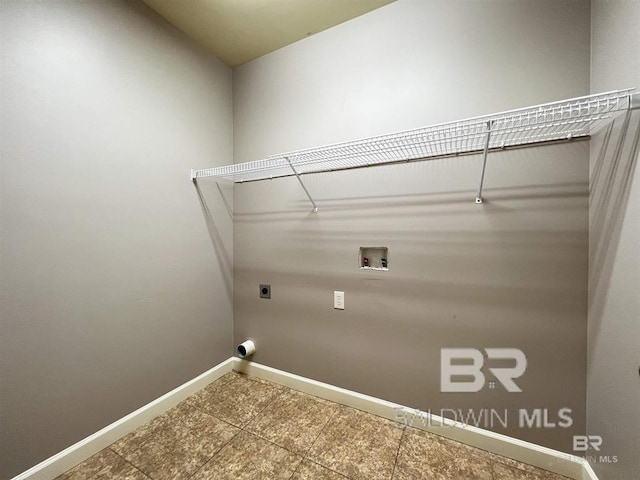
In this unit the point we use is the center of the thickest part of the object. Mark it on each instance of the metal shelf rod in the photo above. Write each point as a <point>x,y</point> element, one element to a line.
<point>295,172</point>
<point>485,153</point>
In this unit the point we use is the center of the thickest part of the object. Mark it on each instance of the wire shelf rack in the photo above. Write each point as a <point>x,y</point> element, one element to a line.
<point>562,120</point>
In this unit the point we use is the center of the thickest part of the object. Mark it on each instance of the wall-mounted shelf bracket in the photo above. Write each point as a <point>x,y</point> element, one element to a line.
<point>485,153</point>
<point>634,101</point>
<point>295,172</point>
<point>193,175</point>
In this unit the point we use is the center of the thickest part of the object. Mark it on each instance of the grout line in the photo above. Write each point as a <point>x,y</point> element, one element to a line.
<point>279,446</point>
<point>330,469</point>
<point>393,471</point>
<point>333,416</point>
<point>306,455</point>
<point>127,461</point>
<point>201,410</point>
<point>216,453</point>
<point>143,471</point>
<point>296,469</point>
<point>273,399</point>
<point>255,417</point>
<point>240,430</point>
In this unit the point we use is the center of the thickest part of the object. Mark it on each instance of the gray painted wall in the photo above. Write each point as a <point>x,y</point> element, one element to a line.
<point>613,385</point>
<point>510,273</point>
<point>115,283</point>
<point>116,279</point>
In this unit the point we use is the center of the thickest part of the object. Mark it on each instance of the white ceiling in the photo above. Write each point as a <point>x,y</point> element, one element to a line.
<point>238,31</point>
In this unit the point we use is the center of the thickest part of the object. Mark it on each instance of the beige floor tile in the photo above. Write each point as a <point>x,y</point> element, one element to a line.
<point>428,456</point>
<point>143,433</point>
<point>512,463</point>
<point>555,476</point>
<point>506,466</point>
<point>252,458</point>
<point>358,445</point>
<point>256,379</point>
<point>312,471</point>
<point>506,472</point>
<point>449,444</point>
<point>461,446</point>
<point>177,445</point>
<point>237,401</point>
<point>103,466</point>
<point>227,377</point>
<point>293,420</point>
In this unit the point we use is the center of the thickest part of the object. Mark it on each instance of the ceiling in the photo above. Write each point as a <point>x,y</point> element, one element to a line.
<point>238,31</point>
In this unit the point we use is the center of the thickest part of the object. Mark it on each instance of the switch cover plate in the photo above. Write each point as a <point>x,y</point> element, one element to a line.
<point>338,300</point>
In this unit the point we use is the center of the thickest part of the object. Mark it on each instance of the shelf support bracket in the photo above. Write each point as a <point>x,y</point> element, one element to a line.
<point>484,160</point>
<point>315,208</point>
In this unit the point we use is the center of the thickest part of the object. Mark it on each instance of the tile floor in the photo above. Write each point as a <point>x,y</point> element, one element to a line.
<point>241,427</point>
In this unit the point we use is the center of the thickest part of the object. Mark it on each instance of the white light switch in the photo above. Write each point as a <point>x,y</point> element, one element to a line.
<point>338,300</point>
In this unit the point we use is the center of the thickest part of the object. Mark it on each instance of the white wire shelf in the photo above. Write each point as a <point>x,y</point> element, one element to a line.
<point>562,120</point>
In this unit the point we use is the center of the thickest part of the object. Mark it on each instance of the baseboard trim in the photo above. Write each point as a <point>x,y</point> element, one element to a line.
<point>82,450</point>
<point>570,466</point>
<point>558,462</point>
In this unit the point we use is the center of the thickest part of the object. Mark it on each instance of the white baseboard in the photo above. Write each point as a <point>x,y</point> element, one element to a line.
<point>552,460</point>
<point>78,452</point>
<point>564,464</point>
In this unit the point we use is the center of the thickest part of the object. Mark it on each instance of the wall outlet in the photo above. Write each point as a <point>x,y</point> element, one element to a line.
<point>338,300</point>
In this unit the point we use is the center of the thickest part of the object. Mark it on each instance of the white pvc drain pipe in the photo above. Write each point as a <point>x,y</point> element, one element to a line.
<point>246,349</point>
